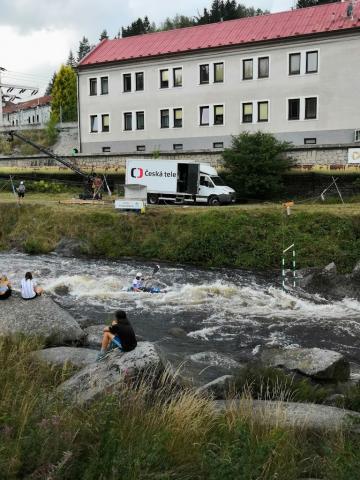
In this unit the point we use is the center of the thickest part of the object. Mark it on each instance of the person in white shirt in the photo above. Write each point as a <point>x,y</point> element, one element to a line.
<point>137,284</point>
<point>29,289</point>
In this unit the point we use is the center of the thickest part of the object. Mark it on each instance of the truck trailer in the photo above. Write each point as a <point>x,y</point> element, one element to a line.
<point>179,181</point>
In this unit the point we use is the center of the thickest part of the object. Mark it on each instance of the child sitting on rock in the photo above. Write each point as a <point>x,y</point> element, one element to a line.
<point>29,289</point>
<point>119,335</point>
<point>5,288</point>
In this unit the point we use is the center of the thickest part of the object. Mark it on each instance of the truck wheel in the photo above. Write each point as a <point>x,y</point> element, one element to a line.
<point>213,201</point>
<point>153,199</point>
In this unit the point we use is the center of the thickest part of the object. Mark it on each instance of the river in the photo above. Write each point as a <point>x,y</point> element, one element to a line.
<point>225,315</point>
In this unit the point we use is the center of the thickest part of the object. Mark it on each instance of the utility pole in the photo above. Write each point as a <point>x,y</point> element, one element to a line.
<point>10,88</point>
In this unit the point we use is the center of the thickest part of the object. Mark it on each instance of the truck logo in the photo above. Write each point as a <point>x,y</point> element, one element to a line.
<point>137,172</point>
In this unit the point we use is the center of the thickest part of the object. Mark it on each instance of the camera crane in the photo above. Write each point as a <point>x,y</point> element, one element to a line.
<point>92,183</point>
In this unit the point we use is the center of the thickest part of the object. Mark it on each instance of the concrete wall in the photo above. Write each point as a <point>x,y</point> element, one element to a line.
<point>335,85</point>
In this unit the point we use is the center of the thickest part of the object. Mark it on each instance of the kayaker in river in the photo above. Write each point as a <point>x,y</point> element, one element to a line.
<point>119,335</point>
<point>137,284</point>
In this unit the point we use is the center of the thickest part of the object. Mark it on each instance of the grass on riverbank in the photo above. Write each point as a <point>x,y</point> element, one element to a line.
<point>250,237</point>
<point>137,436</point>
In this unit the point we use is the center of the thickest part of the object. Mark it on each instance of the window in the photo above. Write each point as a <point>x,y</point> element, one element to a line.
<point>164,78</point>
<point>104,85</point>
<point>218,114</point>
<point>294,63</point>
<point>105,123</point>
<point>204,116</point>
<point>177,146</point>
<point>263,67</point>
<point>177,77</point>
<point>93,86</point>
<point>247,112</point>
<point>127,121</point>
<point>139,81</point>
<point>106,149</point>
<point>93,123</point>
<point>218,145</point>
<point>140,120</point>
<point>294,109</point>
<point>140,148</point>
<point>311,62</point>
<point>178,118</point>
<point>263,111</point>
<point>37,118</point>
<point>127,82</point>
<point>204,74</point>
<point>164,118</point>
<point>310,141</point>
<point>248,69</point>
<point>310,108</point>
<point>218,72</point>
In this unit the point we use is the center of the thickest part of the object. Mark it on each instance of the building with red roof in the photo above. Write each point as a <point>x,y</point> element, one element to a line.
<point>295,74</point>
<point>34,112</point>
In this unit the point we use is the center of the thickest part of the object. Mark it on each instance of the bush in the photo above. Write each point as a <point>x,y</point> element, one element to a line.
<point>254,165</point>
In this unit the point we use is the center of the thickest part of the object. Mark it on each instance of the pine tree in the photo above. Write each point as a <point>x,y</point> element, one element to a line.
<point>227,10</point>
<point>71,61</point>
<point>50,85</point>
<point>313,3</point>
<point>103,35</point>
<point>179,21</point>
<point>64,95</point>
<point>84,48</point>
<point>139,27</point>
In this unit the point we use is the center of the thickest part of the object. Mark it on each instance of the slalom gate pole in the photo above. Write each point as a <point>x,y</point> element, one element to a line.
<point>293,265</point>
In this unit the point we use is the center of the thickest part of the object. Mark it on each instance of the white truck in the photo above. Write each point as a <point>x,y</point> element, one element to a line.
<point>179,181</point>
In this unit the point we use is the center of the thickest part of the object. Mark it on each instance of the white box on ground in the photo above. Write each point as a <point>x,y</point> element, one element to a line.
<point>137,205</point>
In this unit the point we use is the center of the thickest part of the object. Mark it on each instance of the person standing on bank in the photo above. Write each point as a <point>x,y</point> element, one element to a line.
<point>21,192</point>
<point>119,335</point>
<point>29,289</point>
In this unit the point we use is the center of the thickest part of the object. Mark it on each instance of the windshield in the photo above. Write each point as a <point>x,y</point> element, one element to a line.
<point>218,181</point>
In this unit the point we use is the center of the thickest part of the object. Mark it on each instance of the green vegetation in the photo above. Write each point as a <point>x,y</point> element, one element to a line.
<point>254,165</point>
<point>237,237</point>
<point>45,137</point>
<point>139,434</point>
<point>64,95</point>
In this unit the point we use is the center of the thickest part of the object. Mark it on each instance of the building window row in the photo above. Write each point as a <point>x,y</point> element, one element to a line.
<point>133,82</point>
<point>253,68</point>
<point>301,108</point>
<point>171,77</point>
<point>211,73</point>
<point>104,86</point>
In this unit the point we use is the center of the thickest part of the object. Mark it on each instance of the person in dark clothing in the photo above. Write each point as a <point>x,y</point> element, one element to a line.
<point>119,335</point>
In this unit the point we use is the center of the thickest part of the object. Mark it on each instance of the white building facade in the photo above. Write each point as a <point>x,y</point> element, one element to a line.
<point>303,88</point>
<point>32,113</point>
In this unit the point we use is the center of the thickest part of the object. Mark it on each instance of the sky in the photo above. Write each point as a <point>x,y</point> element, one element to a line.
<point>37,35</point>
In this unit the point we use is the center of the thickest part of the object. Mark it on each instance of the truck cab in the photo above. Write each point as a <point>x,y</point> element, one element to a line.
<point>212,188</point>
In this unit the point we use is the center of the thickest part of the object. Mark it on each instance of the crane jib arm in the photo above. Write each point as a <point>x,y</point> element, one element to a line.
<point>12,134</point>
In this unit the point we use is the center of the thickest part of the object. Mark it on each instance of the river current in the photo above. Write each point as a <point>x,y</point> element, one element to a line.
<point>225,315</point>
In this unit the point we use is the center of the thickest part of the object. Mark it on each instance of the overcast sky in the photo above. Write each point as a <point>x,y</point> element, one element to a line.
<point>36,35</point>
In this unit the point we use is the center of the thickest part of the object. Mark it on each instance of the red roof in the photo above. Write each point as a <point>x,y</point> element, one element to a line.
<point>15,107</point>
<point>304,21</point>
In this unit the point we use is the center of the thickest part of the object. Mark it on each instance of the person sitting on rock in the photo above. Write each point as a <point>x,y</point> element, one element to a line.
<point>119,335</point>
<point>5,288</point>
<point>29,289</point>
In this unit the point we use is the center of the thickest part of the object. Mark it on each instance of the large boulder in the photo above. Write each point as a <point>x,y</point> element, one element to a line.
<point>290,414</point>
<point>109,373</point>
<point>40,317</point>
<point>94,335</point>
<point>312,362</point>
<point>79,357</point>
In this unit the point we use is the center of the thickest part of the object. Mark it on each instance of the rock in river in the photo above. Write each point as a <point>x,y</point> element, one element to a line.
<point>312,362</point>
<point>110,372</point>
<point>40,317</point>
<point>80,357</point>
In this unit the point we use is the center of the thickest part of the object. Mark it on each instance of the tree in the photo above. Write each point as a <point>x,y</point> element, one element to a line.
<point>84,48</point>
<point>64,95</point>
<point>221,10</point>
<point>71,61</point>
<point>50,85</point>
<point>179,21</point>
<point>103,35</point>
<point>313,3</point>
<point>255,164</point>
<point>139,27</point>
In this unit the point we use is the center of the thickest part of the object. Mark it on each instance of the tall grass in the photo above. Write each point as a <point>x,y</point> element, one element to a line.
<point>142,433</point>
